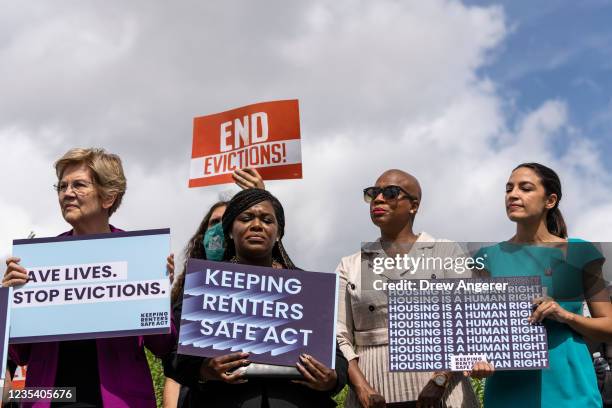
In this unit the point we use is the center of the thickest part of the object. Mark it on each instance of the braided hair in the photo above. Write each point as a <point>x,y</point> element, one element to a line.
<point>242,202</point>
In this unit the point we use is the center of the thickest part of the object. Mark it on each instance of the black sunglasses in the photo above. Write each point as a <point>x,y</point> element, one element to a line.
<point>388,192</point>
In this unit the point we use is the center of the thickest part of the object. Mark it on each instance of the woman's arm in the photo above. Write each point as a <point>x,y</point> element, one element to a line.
<point>344,325</point>
<point>368,396</point>
<point>597,327</point>
<point>172,390</point>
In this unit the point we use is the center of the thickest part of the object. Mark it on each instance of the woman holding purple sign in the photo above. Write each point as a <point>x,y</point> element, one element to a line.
<point>253,225</point>
<point>208,242</point>
<point>570,270</point>
<point>107,372</point>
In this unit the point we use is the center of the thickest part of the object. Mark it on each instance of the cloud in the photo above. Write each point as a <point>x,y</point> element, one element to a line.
<point>381,85</point>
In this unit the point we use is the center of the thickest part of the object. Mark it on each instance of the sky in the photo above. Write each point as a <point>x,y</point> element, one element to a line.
<point>456,93</point>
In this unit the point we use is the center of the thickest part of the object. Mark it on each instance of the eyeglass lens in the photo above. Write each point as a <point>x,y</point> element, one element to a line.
<point>388,192</point>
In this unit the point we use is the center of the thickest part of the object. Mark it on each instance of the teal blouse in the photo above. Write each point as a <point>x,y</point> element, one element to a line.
<point>570,379</point>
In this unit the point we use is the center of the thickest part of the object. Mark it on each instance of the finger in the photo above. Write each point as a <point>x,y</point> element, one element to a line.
<point>257,179</point>
<point>538,300</point>
<point>16,275</point>
<point>305,373</point>
<point>538,315</point>
<point>13,282</point>
<point>231,357</point>
<point>312,369</point>
<point>550,310</point>
<point>247,174</point>
<point>13,266</point>
<point>16,270</point>
<point>12,259</point>
<point>229,366</point>
<point>252,173</point>
<point>241,181</point>
<point>252,176</point>
<point>535,314</point>
<point>320,366</point>
<point>235,377</point>
<point>243,175</point>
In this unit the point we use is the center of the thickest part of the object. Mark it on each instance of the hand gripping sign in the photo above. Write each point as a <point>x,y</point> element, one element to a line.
<point>265,136</point>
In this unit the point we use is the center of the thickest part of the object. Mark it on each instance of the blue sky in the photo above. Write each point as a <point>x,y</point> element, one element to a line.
<point>558,49</point>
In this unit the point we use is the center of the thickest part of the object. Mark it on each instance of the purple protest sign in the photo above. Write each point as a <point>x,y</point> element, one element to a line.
<point>274,314</point>
<point>449,324</point>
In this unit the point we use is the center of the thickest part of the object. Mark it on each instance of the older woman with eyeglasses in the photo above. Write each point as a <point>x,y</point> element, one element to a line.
<point>362,311</point>
<point>108,372</point>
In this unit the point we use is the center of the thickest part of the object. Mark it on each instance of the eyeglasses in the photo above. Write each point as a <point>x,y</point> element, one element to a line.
<point>388,192</point>
<point>79,187</point>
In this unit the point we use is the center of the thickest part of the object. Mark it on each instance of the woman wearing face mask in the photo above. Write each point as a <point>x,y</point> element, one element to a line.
<point>208,243</point>
<point>253,225</point>
<point>570,270</point>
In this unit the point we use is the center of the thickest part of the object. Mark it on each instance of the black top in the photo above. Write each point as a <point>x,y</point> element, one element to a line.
<point>77,366</point>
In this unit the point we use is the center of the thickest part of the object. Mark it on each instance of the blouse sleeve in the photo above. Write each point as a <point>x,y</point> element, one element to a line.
<point>344,325</point>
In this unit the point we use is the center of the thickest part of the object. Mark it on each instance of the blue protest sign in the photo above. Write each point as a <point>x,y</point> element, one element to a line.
<point>92,286</point>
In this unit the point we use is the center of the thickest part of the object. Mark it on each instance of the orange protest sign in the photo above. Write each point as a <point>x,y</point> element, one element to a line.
<point>265,136</point>
<point>18,382</point>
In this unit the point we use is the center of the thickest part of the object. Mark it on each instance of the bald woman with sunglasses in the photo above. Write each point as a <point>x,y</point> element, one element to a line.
<point>362,312</point>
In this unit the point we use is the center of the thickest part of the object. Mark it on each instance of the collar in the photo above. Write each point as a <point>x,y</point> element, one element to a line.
<point>71,232</point>
<point>424,241</point>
